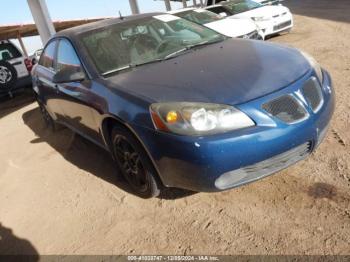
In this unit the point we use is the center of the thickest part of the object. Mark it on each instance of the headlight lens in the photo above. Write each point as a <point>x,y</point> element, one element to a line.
<point>198,118</point>
<point>316,66</point>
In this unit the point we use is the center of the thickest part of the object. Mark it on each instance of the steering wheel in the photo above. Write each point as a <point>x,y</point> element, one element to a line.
<point>144,42</point>
<point>164,44</point>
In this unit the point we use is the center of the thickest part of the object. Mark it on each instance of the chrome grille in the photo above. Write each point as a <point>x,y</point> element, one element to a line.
<point>313,94</point>
<point>287,109</point>
<point>265,168</point>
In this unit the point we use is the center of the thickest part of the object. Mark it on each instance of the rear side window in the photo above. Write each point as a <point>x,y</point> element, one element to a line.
<point>8,52</point>
<point>47,58</point>
<point>67,58</point>
<point>219,9</point>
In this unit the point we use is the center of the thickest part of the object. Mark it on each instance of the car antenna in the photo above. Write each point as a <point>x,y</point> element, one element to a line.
<point>121,16</point>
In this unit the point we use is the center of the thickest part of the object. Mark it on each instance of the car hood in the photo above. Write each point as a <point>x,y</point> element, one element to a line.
<point>231,72</point>
<point>265,11</point>
<point>233,27</point>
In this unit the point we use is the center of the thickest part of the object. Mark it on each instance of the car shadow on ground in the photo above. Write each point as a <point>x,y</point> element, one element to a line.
<point>15,248</point>
<point>9,105</point>
<point>336,10</point>
<point>85,154</point>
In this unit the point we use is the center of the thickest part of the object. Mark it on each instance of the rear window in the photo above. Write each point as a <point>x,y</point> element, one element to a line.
<point>8,52</point>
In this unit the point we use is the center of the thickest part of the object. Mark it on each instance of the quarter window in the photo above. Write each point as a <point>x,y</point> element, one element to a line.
<point>67,58</point>
<point>47,58</point>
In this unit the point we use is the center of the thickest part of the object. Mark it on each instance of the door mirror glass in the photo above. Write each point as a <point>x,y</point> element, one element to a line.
<point>67,75</point>
<point>68,66</point>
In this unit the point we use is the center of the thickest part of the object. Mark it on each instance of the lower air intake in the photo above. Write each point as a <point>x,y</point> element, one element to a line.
<point>262,169</point>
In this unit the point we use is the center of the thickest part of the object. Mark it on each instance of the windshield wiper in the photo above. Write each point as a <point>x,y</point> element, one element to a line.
<point>116,70</point>
<point>169,56</point>
<point>129,67</point>
<point>174,54</point>
<point>204,43</point>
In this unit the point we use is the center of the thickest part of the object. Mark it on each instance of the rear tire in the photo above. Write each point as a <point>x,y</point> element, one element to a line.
<point>8,77</point>
<point>134,163</point>
<point>48,120</point>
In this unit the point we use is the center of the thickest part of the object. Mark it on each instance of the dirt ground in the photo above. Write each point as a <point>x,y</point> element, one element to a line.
<point>60,195</point>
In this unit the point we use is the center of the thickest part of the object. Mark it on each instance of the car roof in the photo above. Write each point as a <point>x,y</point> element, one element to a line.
<point>74,31</point>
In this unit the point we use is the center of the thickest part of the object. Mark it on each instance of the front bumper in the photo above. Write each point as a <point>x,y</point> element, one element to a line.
<point>277,25</point>
<point>197,163</point>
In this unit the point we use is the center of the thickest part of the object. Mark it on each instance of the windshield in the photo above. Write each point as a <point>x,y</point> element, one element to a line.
<point>133,43</point>
<point>243,6</point>
<point>200,16</point>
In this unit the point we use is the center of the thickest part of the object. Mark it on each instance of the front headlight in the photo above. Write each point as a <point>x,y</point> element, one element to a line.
<point>193,119</point>
<point>315,65</point>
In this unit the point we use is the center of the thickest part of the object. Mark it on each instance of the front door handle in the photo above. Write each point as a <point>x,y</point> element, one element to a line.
<point>57,89</point>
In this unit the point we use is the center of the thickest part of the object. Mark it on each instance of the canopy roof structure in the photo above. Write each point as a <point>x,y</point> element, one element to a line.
<point>30,29</point>
<point>45,27</point>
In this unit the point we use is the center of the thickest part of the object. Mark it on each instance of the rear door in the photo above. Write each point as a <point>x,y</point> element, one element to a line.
<point>43,76</point>
<point>10,54</point>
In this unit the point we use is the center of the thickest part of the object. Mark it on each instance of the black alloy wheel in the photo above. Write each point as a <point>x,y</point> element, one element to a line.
<point>134,164</point>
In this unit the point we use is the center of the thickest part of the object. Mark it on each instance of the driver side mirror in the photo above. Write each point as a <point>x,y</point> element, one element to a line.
<point>68,75</point>
<point>223,14</point>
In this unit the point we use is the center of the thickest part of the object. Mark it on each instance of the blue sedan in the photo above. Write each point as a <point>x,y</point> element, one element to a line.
<point>180,105</point>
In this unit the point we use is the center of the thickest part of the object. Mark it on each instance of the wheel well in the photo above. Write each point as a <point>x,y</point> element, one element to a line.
<point>107,127</point>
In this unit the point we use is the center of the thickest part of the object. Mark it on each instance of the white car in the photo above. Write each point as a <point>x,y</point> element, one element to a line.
<point>241,28</point>
<point>269,2</point>
<point>14,69</point>
<point>271,19</point>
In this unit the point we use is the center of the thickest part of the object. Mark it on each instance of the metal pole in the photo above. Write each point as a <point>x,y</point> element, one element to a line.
<point>167,5</point>
<point>22,44</point>
<point>184,2</point>
<point>134,7</point>
<point>42,19</point>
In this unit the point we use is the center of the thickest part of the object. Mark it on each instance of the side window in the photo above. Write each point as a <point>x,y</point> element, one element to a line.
<point>48,56</point>
<point>67,57</point>
<point>218,10</point>
<point>8,52</point>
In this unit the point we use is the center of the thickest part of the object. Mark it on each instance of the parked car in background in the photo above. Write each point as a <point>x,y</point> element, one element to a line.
<point>241,28</point>
<point>269,2</point>
<point>36,56</point>
<point>14,68</point>
<point>180,105</point>
<point>270,19</point>
<point>263,2</point>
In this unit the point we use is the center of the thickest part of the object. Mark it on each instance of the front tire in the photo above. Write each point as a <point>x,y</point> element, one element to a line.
<point>134,164</point>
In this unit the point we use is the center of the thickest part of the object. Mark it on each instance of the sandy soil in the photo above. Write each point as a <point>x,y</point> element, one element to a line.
<point>60,195</point>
